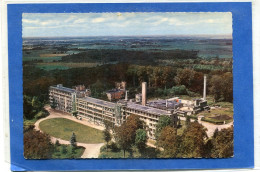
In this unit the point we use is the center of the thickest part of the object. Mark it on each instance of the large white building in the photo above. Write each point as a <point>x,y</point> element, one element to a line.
<point>97,111</point>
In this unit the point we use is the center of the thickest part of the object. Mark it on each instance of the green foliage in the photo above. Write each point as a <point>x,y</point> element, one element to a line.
<point>73,141</point>
<point>64,149</point>
<point>123,136</point>
<point>107,136</point>
<point>168,141</point>
<point>221,86</point>
<point>191,79</point>
<point>108,124</point>
<point>223,143</point>
<point>178,90</point>
<point>37,145</point>
<point>126,133</point>
<point>67,152</point>
<point>42,114</point>
<point>192,141</point>
<point>187,122</point>
<point>32,106</point>
<point>163,121</point>
<point>57,143</point>
<point>148,152</point>
<point>141,139</point>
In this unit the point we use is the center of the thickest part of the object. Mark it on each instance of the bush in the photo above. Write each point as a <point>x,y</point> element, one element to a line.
<point>41,114</point>
<point>179,90</point>
<point>114,147</point>
<point>211,121</point>
<point>64,149</point>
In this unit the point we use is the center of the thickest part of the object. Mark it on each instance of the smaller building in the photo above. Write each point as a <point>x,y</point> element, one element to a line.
<point>62,98</point>
<point>115,94</point>
<point>120,85</point>
<point>138,98</point>
<point>81,91</point>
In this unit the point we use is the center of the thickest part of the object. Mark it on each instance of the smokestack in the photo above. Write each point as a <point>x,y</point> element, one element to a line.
<point>144,87</point>
<point>204,90</point>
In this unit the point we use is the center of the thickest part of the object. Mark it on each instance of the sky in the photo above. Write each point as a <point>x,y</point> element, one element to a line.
<point>126,24</point>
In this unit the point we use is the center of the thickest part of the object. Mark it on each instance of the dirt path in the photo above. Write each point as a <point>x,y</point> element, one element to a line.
<point>91,150</point>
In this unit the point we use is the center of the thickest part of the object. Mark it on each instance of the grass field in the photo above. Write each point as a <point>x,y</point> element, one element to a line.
<point>63,66</point>
<point>63,128</point>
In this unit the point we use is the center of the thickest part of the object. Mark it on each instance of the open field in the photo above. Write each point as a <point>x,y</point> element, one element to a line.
<point>63,128</point>
<point>61,65</point>
<point>52,55</point>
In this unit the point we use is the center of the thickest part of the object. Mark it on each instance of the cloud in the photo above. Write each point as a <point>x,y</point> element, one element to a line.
<point>98,20</point>
<point>132,23</point>
<point>28,21</point>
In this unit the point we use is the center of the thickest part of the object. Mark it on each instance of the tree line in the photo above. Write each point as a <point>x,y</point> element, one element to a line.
<point>102,78</point>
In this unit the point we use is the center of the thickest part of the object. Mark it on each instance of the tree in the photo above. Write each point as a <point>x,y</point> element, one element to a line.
<point>227,86</point>
<point>140,140</point>
<point>192,144</point>
<point>107,136</point>
<point>126,133</point>
<point>108,125</point>
<point>37,145</point>
<point>27,108</point>
<point>187,122</point>
<point>191,79</point>
<point>216,87</point>
<point>208,147</point>
<point>163,121</point>
<point>223,143</point>
<point>168,141</point>
<point>133,123</point>
<point>123,137</point>
<point>184,77</point>
<point>73,141</point>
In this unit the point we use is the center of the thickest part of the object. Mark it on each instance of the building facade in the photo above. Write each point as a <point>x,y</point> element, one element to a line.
<point>97,111</point>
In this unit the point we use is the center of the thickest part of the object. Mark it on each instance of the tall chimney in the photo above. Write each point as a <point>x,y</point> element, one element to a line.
<point>144,87</point>
<point>204,90</point>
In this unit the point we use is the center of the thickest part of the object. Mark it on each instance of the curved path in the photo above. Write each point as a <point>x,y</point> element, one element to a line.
<point>91,150</point>
<point>210,127</point>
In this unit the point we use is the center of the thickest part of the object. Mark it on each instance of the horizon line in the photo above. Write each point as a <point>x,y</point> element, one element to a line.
<point>229,36</point>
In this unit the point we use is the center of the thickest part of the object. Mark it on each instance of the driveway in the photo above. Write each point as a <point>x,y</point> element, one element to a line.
<point>91,150</point>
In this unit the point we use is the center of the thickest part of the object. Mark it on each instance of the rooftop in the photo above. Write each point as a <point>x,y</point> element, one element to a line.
<point>146,109</point>
<point>61,88</point>
<point>99,102</point>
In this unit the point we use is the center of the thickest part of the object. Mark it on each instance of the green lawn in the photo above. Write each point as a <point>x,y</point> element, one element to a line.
<point>225,109</point>
<point>63,128</point>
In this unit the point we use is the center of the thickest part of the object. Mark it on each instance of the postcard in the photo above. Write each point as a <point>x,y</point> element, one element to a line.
<point>101,86</point>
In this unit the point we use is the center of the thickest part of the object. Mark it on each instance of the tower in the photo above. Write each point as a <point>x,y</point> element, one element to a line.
<point>204,89</point>
<point>144,90</point>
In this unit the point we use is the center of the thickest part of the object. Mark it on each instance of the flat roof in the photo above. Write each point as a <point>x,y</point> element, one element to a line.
<point>99,102</point>
<point>146,109</point>
<point>65,89</point>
